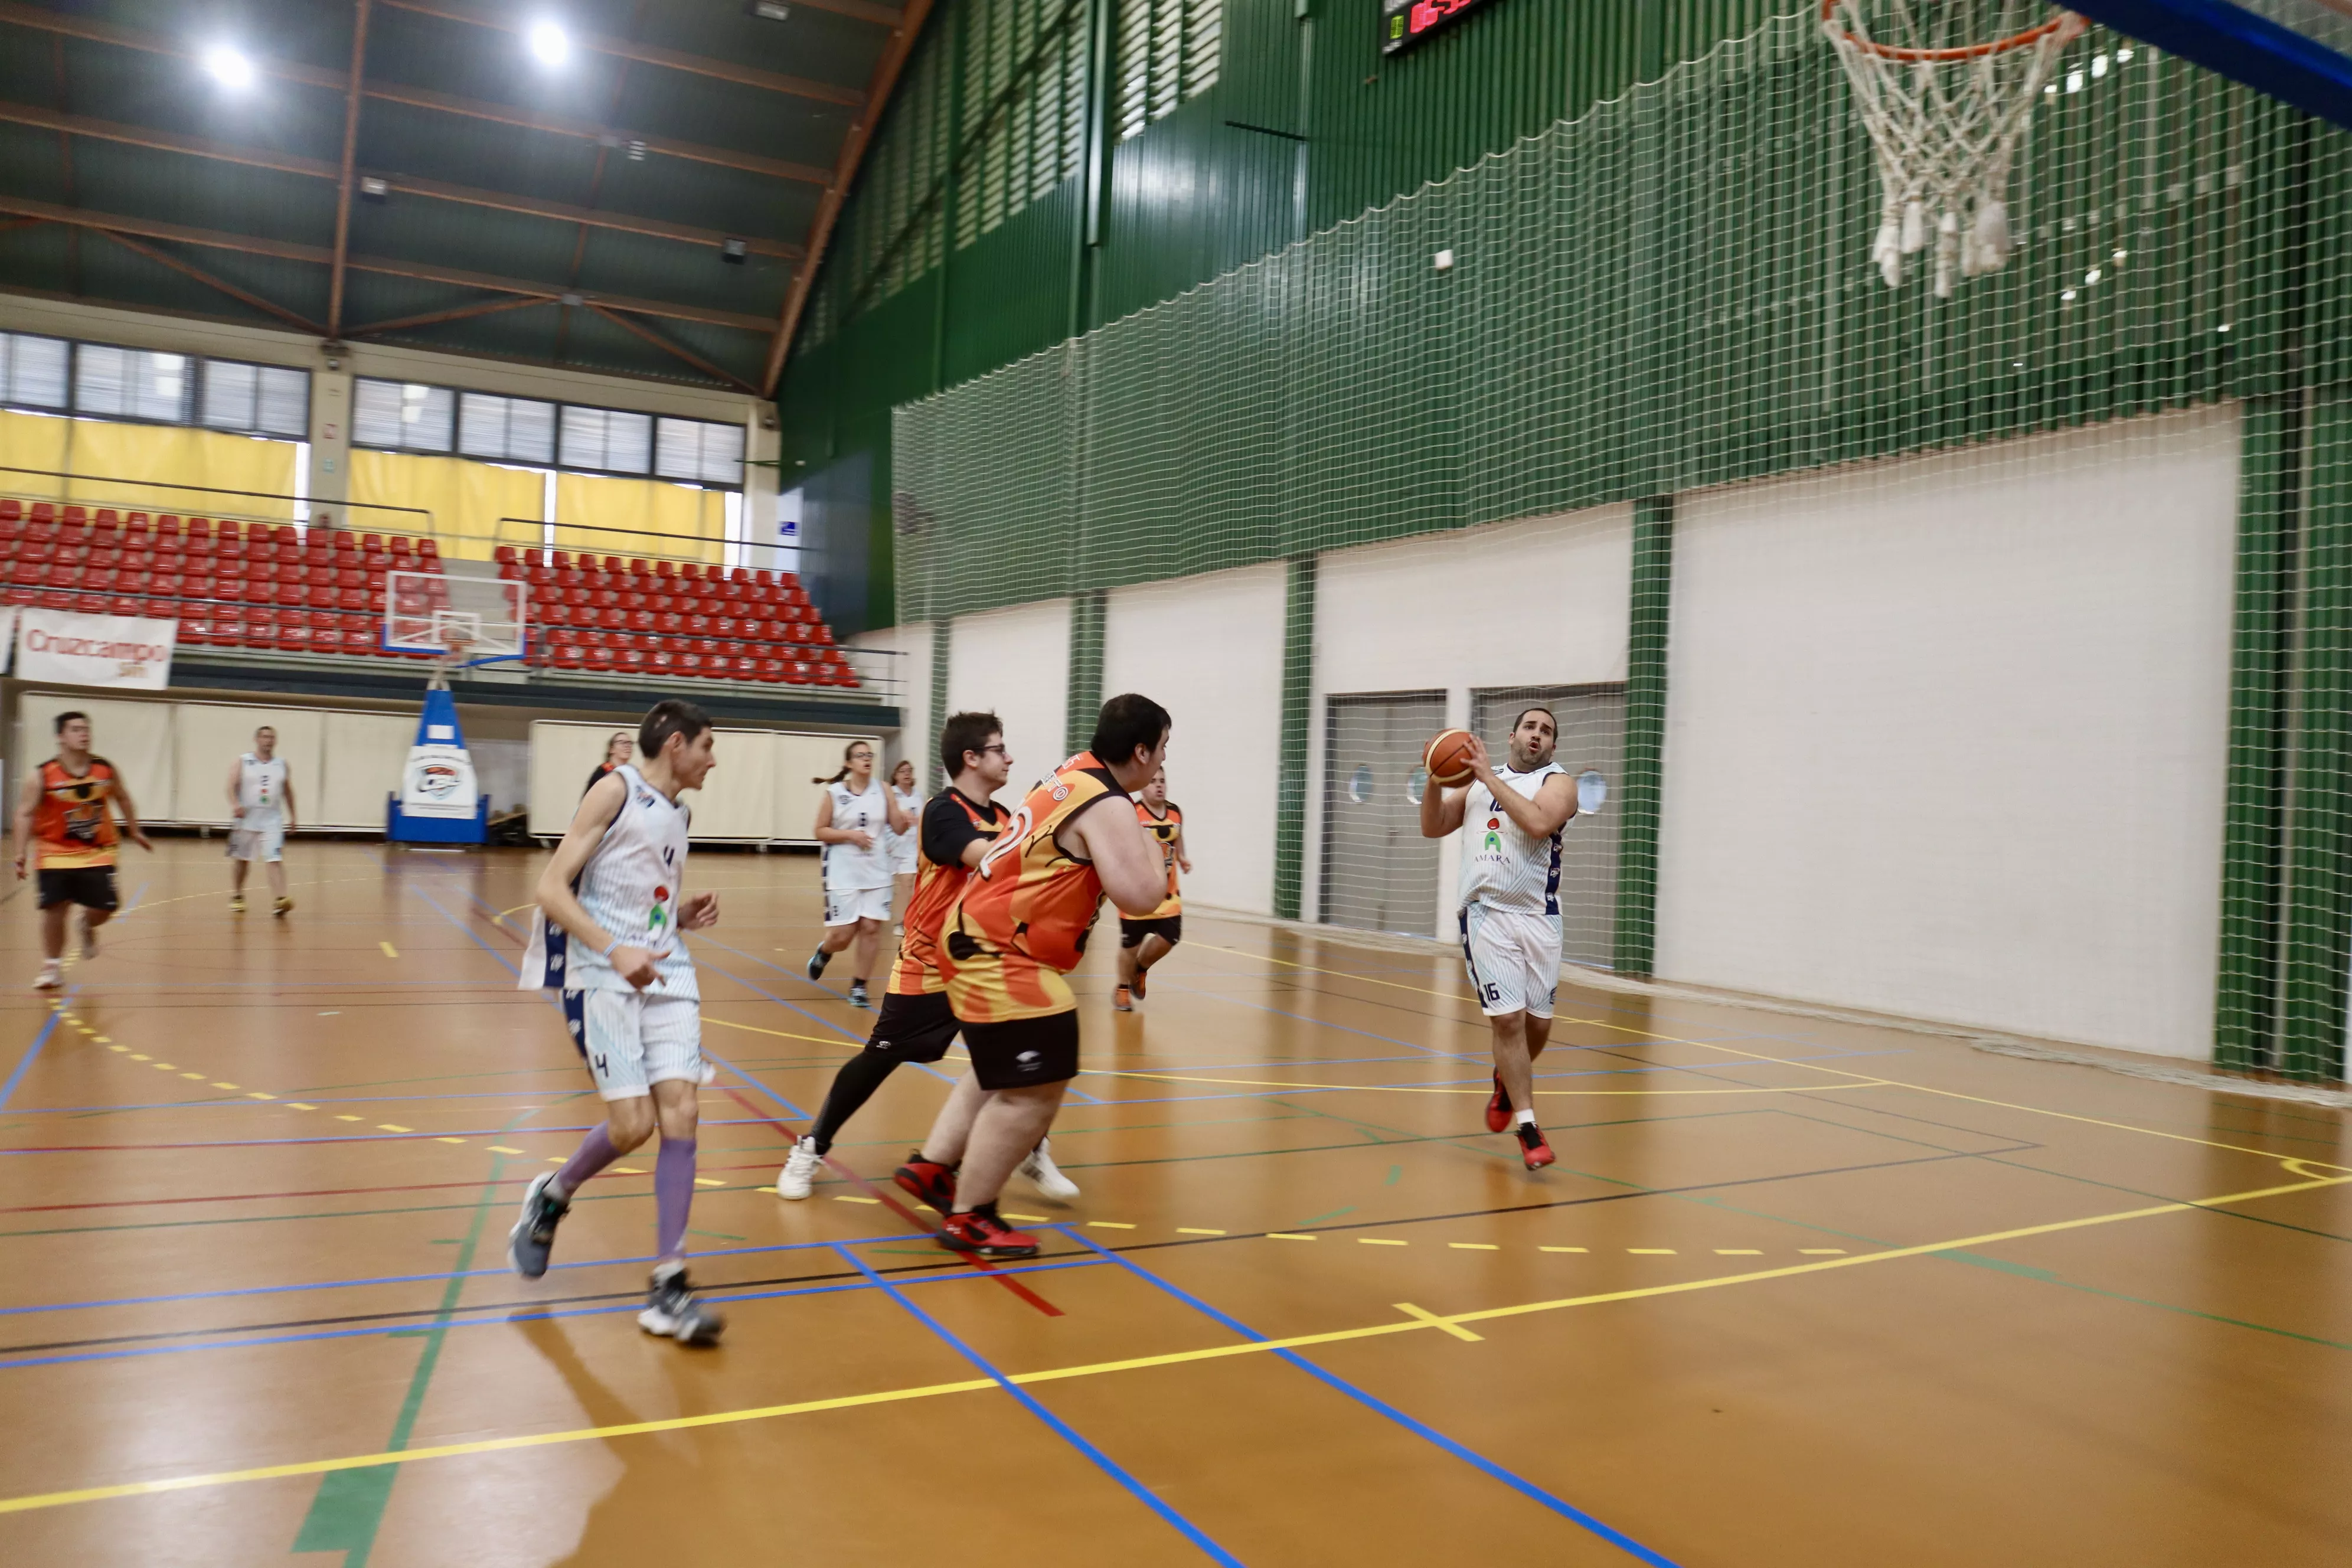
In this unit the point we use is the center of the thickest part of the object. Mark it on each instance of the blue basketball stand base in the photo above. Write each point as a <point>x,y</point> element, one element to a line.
<point>403,829</point>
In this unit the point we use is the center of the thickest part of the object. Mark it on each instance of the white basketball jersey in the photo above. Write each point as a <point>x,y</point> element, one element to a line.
<point>630,886</point>
<point>848,868</point>
<point>261,786</point>
<point>1503,868</point>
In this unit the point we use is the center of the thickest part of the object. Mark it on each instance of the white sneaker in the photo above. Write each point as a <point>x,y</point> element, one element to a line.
<point>1045,1174</point>
<point>53,975</point>
<point>800,1169</point>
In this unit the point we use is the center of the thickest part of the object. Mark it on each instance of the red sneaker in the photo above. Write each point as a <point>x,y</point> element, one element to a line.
<point>929,1180</point>
<point>1532,1147</point>
<point>1121,1000</point>
<point>980,1231</point>
<point>1140,973</point>
<point>1498,1109</point>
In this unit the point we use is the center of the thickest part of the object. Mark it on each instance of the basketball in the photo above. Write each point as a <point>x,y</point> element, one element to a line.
<point>1447,758</point>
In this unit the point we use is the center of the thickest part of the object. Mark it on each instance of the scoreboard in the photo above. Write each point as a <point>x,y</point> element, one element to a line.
<point>1404,23</point>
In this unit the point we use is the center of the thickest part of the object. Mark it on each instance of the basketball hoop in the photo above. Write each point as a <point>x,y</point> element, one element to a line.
<point>1945,88</point>
<point>457,645</point>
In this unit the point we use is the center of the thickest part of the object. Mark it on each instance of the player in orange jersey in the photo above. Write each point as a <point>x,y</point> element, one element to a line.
<point>1017,928</point>
<point>63,810</point>
<point>1144,942</point>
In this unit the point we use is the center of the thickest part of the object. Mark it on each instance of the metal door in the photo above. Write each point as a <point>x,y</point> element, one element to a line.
<point>1379,872</point>
<point>1591,736</point>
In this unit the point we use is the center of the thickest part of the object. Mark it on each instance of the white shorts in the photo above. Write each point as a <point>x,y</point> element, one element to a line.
<point>264,840</point>
<point>1514,959</point>
<point>902,856</point>
<point>847,906</point>
<point>633,1041</point>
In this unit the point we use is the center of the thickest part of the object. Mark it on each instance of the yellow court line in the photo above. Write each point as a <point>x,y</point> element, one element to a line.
<point>1760,1056</point>
<point>844,1042</point>
<point>389,950</point>
<point>1482,1093</point>
<point>1435,1322</point>
<point>1094,1369</point>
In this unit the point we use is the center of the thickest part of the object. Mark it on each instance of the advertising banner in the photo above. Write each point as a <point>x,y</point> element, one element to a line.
<point>124,651</point>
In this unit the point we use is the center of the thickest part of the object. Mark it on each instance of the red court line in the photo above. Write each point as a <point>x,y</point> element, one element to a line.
<point>889,1202</point>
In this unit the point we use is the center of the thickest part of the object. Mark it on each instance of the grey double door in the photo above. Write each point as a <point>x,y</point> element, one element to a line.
<point>1379,872</point>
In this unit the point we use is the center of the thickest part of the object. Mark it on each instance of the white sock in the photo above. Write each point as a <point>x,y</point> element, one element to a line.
<point>1523,1119</point>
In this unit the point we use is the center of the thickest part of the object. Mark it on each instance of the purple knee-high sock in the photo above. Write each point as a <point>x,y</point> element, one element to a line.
<point>595,1152</point>
<point>673,1194</point>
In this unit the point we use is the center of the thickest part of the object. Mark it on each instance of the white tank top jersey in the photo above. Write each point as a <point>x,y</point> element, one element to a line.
<point>1502,866</point>
<point>901,846</point>
<point>848,868</point>
<point>261,786</point>
<point>630,886</point>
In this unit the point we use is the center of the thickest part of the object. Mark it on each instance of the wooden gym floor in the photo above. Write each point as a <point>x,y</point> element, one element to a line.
<point>1796,1293</point>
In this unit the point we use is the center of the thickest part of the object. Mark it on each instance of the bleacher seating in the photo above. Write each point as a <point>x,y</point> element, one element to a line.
<point>262,585</point>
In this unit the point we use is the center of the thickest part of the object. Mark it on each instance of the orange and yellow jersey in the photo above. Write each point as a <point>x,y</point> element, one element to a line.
<point>950,821</point>
<point>1021,922</point>
<point>72,824</point>
<point>1165,831</point>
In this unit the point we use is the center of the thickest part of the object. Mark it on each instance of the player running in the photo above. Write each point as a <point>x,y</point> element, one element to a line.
<point>1017,928</point>
<point>1510,906</point>
<point>261,803</point>
<point>64,810</point>
<point>916,1023</point>
<point>904,848</point>
<point>606,935</point>
<point>1145,941</point>
<point>852,817</point>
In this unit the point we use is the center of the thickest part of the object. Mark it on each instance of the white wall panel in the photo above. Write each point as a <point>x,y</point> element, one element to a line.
<point>1541,601</point>
<point>897,661</point>
<point>136,737</point>
<point>738,799</point>
<point>562,753</point>
<point>1208,650</point>
<point>208,737</point>
<point>1947,737</point>
<point>1015,663</point>
<point>365,754</point>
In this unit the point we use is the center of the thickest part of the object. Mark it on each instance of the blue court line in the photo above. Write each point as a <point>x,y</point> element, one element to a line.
<point>24,1063</point>
<point>1068,1433</point>
<point>523,1314</point>
<point>1518,1483</point>
<point>137,894</point>
<point>803,1012</point>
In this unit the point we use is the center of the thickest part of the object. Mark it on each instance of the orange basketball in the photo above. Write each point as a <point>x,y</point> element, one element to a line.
<point>1448,758</point>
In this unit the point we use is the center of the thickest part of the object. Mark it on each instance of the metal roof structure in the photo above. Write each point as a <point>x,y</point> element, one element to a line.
<point>632,186</point>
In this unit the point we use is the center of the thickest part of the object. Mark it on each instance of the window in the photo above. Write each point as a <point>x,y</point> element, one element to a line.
<point>131,384</point>
<point>506,429</point>
<point>699,452</point>
<point>32,372</point>
<point>259,399</point>
<point>607,440</point>
<point>403,416</point>
<point>1169,51</point>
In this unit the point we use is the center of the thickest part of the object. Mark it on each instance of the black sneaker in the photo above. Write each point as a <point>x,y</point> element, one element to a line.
<point>673,1312</point>
<point>817,961</point>
<point>533,1236</point>
<point>858,995</point>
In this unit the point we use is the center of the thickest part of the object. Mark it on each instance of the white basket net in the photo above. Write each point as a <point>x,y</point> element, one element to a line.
<point>1947,89</point>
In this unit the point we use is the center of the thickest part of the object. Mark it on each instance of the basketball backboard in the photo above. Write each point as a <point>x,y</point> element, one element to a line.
<point>2299,52</point>
<point>431,612</point>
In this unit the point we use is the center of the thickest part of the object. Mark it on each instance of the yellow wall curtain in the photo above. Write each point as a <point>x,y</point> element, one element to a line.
<point>465,499</point>
<point>136,468</point>
<point>690,523</point>
<point>32,441</point>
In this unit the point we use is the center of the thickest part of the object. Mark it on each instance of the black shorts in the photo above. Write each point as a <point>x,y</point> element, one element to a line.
<point>92,887</point>
<point>1022,1053</point>
<point>1132,932</point>
<point>914,1028</point>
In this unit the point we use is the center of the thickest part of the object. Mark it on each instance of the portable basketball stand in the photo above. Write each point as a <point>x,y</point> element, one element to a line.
<point>439,802</point>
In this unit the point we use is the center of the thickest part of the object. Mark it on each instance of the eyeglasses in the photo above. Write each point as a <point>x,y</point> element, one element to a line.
<point>998,749</point>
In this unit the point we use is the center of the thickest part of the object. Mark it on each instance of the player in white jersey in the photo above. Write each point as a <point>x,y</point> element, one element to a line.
<point>261,803</point>
<point>607,936</point>
<point>903,846</point>
<point>1510,906</point>
<point>854,818</point>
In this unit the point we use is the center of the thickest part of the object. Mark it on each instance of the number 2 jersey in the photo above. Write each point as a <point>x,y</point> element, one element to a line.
<point>1020,923</point>
<point>630,886</point>
<point>951,821</point>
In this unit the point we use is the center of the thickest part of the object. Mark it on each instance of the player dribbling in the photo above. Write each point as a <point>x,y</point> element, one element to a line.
<point>1145,940</point>
<point>1509,916</point>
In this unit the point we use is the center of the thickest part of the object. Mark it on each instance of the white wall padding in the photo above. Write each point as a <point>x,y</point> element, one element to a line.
<point>365,754</point>
<point>759,789</point>
<point>1208,650</point>
<point>896,663</point>
<point>136,737</point>
<point>209,736</point>
<point>1947,737</point>
<point>1016,664</point>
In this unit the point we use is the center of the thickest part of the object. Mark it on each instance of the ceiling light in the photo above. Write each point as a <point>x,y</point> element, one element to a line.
<point>372,189</point>
<point>548,43</point>
<point>769,10</point>
<point>733,251</point>
<point>229,68</point>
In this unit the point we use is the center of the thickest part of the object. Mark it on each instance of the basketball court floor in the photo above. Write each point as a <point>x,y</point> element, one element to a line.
<point>1797,1292</point>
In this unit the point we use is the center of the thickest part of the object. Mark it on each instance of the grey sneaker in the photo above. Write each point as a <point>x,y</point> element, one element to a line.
<point>817,961</point>
<point>533,1236</point>
<point>858,997</point>
<point>672,1311</point>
